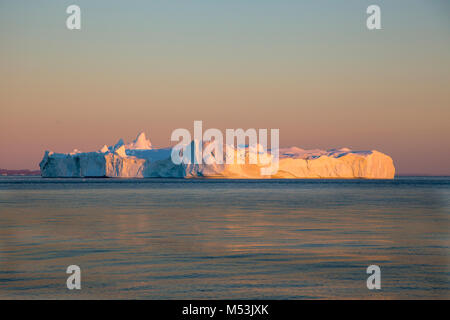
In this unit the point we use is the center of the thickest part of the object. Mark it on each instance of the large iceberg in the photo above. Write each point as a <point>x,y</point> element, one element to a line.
<point>140,160</point>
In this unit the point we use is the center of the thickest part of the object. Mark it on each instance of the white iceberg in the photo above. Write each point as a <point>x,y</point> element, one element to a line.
<point>139,160</point>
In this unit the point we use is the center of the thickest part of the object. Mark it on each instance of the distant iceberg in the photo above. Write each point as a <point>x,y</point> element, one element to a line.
<point>140,160</point>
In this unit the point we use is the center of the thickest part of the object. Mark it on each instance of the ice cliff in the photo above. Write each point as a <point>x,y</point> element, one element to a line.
<point>138,159</point>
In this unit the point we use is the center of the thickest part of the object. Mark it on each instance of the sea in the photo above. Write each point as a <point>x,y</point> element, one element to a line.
<point>224,239</point>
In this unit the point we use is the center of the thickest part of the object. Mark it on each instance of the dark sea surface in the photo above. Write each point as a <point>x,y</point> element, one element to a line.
<point>224,239</point>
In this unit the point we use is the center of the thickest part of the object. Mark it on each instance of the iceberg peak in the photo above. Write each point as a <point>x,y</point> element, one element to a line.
<point>140,143</point>
<point>118,144</point>
<point>121,151</point>
<point>104,149</point>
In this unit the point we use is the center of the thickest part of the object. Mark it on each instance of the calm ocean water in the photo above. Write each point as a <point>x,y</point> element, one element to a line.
<point>238,239</point>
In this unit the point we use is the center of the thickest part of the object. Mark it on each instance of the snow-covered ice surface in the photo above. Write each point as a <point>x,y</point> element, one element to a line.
<point>139,159</point>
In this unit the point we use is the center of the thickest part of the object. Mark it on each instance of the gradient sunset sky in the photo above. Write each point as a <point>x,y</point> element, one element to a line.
<point>309,68</point>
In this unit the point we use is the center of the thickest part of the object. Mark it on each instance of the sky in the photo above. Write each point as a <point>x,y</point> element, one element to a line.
<point>309,68</point>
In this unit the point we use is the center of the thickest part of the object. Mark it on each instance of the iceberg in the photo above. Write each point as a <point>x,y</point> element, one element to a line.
<point>139,159</point>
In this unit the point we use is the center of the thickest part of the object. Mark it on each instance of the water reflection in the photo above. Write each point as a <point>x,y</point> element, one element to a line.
<point>224,239</point>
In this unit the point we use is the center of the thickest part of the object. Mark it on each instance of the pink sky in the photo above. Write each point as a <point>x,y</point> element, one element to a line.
<point>323,87</point>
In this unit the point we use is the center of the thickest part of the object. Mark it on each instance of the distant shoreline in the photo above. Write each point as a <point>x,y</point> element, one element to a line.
<point>20,172</point>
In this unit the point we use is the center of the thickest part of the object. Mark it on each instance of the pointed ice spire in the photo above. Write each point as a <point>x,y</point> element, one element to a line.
<point>118,144</point>
<point>140,143</point>
<point>104,149</point>
<point>121,151</point>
